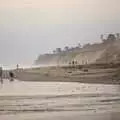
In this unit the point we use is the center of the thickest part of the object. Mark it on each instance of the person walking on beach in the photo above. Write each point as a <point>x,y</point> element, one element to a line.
<point>17,67</point>
<point>11,74</point>
<point>1,73</point>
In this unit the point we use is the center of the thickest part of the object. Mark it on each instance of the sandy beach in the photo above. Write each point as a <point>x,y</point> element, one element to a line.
<point>61,93</point>
<point>58,100</point>
<point>66,74</point>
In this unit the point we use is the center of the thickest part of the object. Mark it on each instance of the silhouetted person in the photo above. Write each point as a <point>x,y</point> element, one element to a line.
<point>11,74</point>
<point>17,66</point>
<point>73,62</point>
<point>1,73</point>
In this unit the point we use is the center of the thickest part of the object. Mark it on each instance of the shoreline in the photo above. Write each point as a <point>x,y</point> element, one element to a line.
<point>93,74</point>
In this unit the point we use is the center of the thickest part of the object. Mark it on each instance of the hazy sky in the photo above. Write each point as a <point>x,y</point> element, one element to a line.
<point>32,27</point>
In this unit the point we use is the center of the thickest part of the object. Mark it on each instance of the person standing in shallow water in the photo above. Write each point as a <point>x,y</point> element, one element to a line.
<point>11,74</point>
<point>1,73</point>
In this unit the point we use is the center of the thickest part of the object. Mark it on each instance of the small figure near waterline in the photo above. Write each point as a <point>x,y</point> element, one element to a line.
<point>17,66</point>
<point>1,73</point>
<point>11,74</point>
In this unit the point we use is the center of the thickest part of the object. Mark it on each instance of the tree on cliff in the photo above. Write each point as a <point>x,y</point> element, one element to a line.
<point>58,50</point>
<point>79,45</point>
<point>66,48</point>
<point>102,37</point>
<point>118,36</point>
<point>54,51</point>
<point>111,37</point>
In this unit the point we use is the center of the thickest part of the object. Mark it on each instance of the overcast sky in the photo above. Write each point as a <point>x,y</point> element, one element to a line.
<point>32,27</point>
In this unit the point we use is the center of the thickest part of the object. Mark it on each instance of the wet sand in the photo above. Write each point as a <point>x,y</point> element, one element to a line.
<point>58,100</point>
<point>62,116</point>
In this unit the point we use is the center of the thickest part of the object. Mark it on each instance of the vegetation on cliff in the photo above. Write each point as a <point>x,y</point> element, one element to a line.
<point>107,51</point>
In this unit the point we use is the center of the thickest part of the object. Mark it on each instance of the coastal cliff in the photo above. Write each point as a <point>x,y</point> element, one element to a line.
<point>108,51</point>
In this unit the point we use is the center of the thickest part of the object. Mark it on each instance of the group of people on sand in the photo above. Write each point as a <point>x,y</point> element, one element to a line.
<point>11,75</point>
